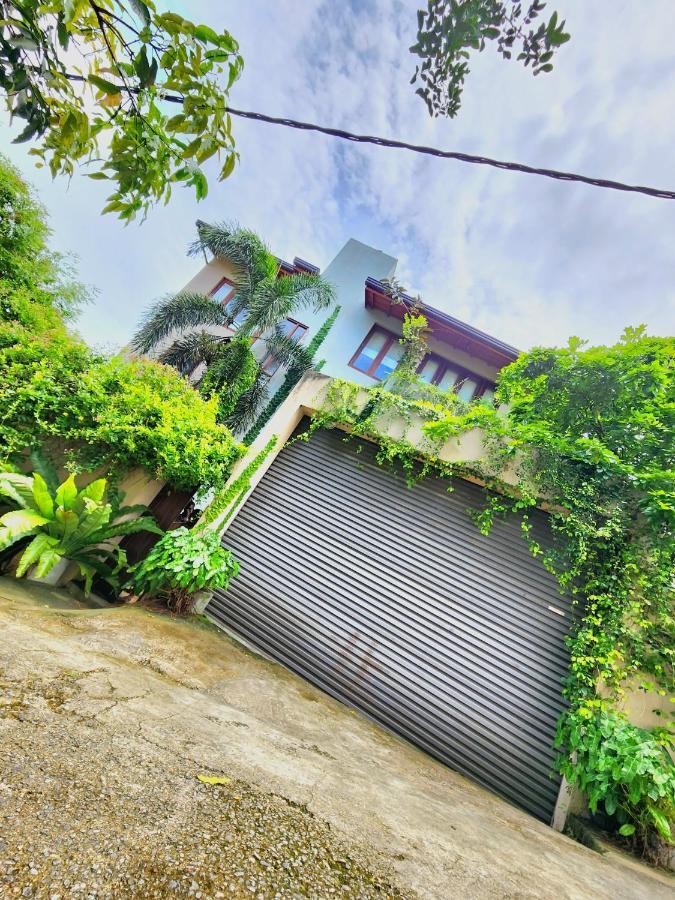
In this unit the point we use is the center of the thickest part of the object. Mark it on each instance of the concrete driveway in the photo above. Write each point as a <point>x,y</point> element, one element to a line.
<point>107,717</point>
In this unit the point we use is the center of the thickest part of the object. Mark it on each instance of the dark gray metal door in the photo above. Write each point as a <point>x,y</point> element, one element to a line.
<point>390,599</point>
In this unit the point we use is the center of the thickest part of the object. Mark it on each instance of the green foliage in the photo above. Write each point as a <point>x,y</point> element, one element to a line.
<point>293,375</point>
<point>590,432</point>
<point>184,560</point>
<point>263,300</point>
<point>114,412</point>
<point>231,373</point>
<point>227,500</point>
<point>37,288</point>
<point>448,30</point>
<point>266,298</point>
<point>66,523</point>
<point>107,109</point>
<point>627,769</point>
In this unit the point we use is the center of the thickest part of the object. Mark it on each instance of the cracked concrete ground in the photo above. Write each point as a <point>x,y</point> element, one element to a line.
<point>108,716</point>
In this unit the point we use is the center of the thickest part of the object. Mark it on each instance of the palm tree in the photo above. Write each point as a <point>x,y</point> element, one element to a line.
<point>262,301</point>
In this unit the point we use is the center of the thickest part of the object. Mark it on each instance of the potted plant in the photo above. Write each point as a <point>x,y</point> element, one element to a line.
<point>66,525</point>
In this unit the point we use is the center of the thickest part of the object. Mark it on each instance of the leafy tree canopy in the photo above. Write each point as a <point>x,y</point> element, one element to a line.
<point>37,286</point>
<point>88,78</point>
<point>57,395</point>
<point>448,30</point>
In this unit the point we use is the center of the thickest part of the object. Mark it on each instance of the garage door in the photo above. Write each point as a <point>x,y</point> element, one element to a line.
<point>390,599</point>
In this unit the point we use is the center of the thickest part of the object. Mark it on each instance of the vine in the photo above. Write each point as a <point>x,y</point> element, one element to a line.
<point>589,432</point>
<point>293,376</point>
<point>224,504</point>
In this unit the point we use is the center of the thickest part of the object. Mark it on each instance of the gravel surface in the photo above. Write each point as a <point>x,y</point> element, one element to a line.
<point>85,813</point>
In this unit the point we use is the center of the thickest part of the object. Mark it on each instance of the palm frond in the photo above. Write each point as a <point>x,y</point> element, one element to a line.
<point>311,291</point>
<point>177,312</point>
<point>186,353</point>
<point>275,299</point>
<point>243,249</point>
<point>288,351</point>
<point>248,404</point>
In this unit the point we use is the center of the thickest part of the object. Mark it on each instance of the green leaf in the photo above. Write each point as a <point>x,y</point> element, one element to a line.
<point>18,488</point>
<point>17,524</point>
<point>69,521</point>
<point>104,85</point>
<point>95,490</point>
<point>207,35</point>
<point>47,562</point>
<point>228,168</point>
<point>39,545</point>
<point>627,829</point>
<point>141,10</point>
<point>42,497</point>
<point>661,822</point>
<point>66,494</point>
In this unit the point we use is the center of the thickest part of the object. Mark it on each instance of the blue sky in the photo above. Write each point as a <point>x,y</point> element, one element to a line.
<point>528,260</point>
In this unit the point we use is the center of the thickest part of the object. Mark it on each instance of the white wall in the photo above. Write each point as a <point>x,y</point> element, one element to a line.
<point>347,273</point>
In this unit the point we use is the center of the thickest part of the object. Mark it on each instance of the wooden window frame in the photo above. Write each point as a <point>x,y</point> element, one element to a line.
<point>443,364</point>
<point>229,296</point>
<point>391,339</point>
<point>269,359</point>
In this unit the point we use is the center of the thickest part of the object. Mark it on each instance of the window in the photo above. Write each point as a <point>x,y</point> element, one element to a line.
<point>225,293</point>
<point>241,315</point>
<point>378,355</point>
<point>291,329</point>
<point>449,377</point>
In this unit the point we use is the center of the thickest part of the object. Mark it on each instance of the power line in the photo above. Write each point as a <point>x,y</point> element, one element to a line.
<point>433,151</point>
<point>453,154</point>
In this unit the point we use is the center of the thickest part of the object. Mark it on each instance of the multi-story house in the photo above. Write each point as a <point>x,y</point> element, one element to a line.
<point>388,597</point>
<point>363,344</point>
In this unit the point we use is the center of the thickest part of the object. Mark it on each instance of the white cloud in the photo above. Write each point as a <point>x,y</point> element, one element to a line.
<point>529,260</point>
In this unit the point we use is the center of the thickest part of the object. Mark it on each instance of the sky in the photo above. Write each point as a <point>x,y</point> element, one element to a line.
<point>529,260</point>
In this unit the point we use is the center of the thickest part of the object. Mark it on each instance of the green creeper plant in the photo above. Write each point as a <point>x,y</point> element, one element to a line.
<point>226,501</point>
<point>295,372</point>
<point>66,523</point>
<point>88,81</point>
<point>182,563</point>
<point>449,30</point>
<point>589,430</point>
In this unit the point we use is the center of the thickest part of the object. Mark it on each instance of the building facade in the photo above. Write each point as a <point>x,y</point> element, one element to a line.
<point>363,344</point>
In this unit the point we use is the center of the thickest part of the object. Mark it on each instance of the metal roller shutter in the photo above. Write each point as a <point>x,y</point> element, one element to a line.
<point>390,599</point>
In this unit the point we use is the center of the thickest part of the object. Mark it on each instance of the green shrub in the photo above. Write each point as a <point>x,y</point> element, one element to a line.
<point>66,523</point>
<point>626,769</point>
<point>181,563</point>
<point>116,413</point>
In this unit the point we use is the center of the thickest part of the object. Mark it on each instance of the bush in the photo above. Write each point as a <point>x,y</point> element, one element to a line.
<point>182,563</point>
<point>115,413</point>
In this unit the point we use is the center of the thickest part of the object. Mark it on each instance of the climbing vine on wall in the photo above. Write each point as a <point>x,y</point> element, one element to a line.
<point>295,372</point>
<point>588,431</point>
